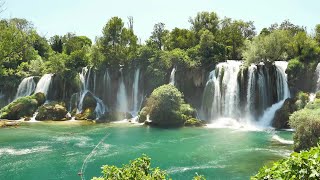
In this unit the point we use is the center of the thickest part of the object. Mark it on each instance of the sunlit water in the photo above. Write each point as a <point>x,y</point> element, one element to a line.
<point>56,150</point>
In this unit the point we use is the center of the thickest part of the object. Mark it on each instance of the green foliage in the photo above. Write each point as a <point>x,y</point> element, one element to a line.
<point>304,165</point>
<point>210,50</point>
<point>76,43</point>
<point>118,44</point>
<point>166,107</point>
<point>181,38</point>
<point>158,36</point>
<point>302,100</point>
<point>306,122</point>
<point>205,20</point>
<point>56,63</point>
<point>139,168</point>
<point>271,47</point>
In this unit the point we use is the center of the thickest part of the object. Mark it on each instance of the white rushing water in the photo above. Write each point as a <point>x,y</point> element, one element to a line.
<point>26,87</point>
<point>136,94</point>
<point>241,96</point>
<point>44,84</point>
<point>172,76</point>
<point>85,82</point>
<point>283,92</point>
<point>122,100</point>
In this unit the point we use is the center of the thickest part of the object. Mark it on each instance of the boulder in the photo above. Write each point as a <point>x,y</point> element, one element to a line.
<point>22,107</point>
<point>87,114</point>
<point>52,111</point>
<point>281,118</point>
<point>89,101</point>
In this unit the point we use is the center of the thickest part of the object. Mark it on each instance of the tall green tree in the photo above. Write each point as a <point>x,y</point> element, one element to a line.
<point>181,38</point>
<point>205,20</point>
<point>117,42</point>
<point>158,36</point>
<point>317,33</point>
<point>56,43</point>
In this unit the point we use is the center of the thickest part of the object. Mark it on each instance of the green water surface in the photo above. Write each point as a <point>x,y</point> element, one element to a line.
<point>57,150</point>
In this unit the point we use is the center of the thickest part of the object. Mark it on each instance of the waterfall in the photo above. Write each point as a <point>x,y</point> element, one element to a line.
<point>122,103</point>
<point>172,76</point>
<point>107,85</point>
<point>44,84</point>
<point>318,77</point>
<point>85,82</point>
<point>136,95</point>
<point>251,91</point>
<point>282,91</point>
<point>261,92</point>
<point>26,87</point>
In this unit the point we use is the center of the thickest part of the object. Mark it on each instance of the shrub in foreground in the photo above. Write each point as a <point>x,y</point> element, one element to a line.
<point>306,123</point>
<point>303,165</point>
<point>139,168</point>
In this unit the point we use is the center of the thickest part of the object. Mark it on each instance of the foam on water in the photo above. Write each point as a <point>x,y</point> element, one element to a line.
<point>18,152</point>
<point>281,140</point>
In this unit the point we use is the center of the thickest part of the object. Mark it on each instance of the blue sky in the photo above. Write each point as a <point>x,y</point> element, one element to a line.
<point>87,17</point>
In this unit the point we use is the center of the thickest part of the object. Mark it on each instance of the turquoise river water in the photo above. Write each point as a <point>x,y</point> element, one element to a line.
<point>57,150</point>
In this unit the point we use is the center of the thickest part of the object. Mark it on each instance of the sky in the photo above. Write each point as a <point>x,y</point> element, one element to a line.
<point>87,17</point>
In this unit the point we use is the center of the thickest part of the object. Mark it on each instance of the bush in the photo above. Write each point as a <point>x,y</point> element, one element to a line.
<point>303,165</point>
<point>136,169</point>
<point>139,168</point>
<point>166,107</point>
<point>302,100</point>
<point>306,122</point>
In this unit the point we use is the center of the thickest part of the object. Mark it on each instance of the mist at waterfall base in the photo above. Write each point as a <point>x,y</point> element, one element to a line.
<point>56,150</point>
<point>247,98</point>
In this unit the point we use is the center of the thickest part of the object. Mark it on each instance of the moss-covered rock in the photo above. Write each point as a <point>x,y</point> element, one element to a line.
<point>281,118</point>
<point>22,107</point>
<point>167,108</point>
<point>87,114</point>
<point>89,102</point>
<point>52,111</point>
<point>194,122</point>
<point>143,115</point>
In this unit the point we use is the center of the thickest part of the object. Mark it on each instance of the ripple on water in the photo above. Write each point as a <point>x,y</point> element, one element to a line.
<point>18,152</point>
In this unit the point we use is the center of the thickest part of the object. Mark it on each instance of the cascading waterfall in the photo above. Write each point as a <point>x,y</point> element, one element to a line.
<point>85,81</point>
<point>251,91</point>
<point>122,100</point>
<point>222,98</point>
<point>44,84</point>
<point>107,85</point>
<point>26,87</point>
<point>136,94</point>
<point>172,76</point>
<point>282,91</point>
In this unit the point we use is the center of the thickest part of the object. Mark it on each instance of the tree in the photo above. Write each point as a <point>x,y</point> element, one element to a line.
<point>205,20</point>
<point>210,50</point>
<point>76,43</point>
<point>158,35</point>
<point>317,33</point>
<point>181,38</point>
<point>56,63</point>
<point>117,43</point>
<point>56,43</point>
<point>233,35</point>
